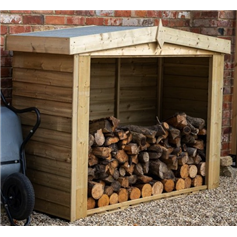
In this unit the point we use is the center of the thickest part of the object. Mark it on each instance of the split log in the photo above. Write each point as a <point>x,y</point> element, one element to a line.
<point>154,155</point>
<point>124,182</point>
<point>160,169</point>
<point>103,201</point>
<point>180,184</point>
<point>157,187</point>
<point>108,190</point>
<point>202,154</point>
<point>121,134</point>
<point>138,170</point>
<point>91,140</point>
<point>116,174</point>
<point>138,138</point>
<point>132,179</point>
<point>113,199</point>
<point>139,129</point>
<point>199,144</point>
<point>144,179</point>
<point>145,167</point>
<point>197,181</point>
<point>99,138</point>
<point>201,168</point>
<point>116,186</point>
<point>168,184</point>
<point>92,159</point>
<point>182,158</point>
<point>95,190</point>
<point>182,171</point>
<point>131,148</point>
<point>196,122</point>
<point>191,151</point>
<point>189,139</point>
<point>123,195</point>
<point>90,203</point>
<point>102,123</point>
<point>145,189</point>
<point>122,171</point>
<point>134,193</point>
<point>188,182</point>
<point>110,140</point>
<point>143,156</point>
<point>178,120</point>
<point>197,159</point>
<point>186,130</point>
<point>129,169</point>
<point>192,171</point>
<point>121,156</point>
<point>101,152</point>
<point>109,179</point>
<point>171,162</point>
<point>134,159</point>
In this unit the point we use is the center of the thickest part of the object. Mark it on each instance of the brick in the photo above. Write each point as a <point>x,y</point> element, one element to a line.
<point>65,12</point>
<point>204,23</point>
<point>10,19</point>
<point>178,23</point>
<point>55,20</point>
<point>104,12</point>
<point>5,82</point>
<point>209,14</point>
<point>227,14</point>
<point>6,72</point>
<point>157,14</point>
<point>43,11</point>
<point>20,11</point>
<point>6,61</point>
<point>227,130</point>
<point>94,21</point>
<point>209,31</point>
<point>19,29</point>
<point>75,20</point>
<point>85,13</point>
<point>130,22</point>
<point>141,13</point>
<point>33,19</point>
<point>122,13</point>
<point>169,14</point>
<point>113,21</point>
<point>4,53</point>
<point>183,14</point>
<point>4,29</point>
<point>147,22</point>
<point>225,23</point>
<point>2,40</point>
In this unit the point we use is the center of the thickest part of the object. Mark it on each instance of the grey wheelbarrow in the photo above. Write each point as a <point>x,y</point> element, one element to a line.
<point>17,192</point>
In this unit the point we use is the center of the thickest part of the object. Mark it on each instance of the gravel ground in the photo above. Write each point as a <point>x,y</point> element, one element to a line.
<point>217,207</point>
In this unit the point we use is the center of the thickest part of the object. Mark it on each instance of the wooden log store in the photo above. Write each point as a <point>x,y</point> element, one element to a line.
<point>134,74</point>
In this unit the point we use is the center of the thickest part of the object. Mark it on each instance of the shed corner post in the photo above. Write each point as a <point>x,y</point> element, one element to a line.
<point>80,136</point>
<point>214,119</point>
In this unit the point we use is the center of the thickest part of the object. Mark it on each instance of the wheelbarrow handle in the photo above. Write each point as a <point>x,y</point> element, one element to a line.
<point>32,131</point>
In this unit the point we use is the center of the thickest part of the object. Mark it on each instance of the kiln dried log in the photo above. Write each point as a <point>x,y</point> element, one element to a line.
<point>131,162</point>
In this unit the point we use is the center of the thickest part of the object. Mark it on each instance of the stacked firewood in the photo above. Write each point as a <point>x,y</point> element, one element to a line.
<point>131,162</point>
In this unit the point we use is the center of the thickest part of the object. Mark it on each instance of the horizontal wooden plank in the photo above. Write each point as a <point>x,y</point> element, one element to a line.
<point>185,81</point>
<point>134,105</point>
<point>44,92</point>
<point>98,82</point>
<point>138,81</point>
<point>102,94</point>
<point>52,209</point>
<point>60,79</point>
<point>192,94</point>
<point>197,61</point>
<point>45,106</point>
<point>51,136</point>
<point>138,93</point>
<point>57,123</point>
<point>99,106</point>
<point>100,69</point>
<point>52,195</point>
<point>49,180</point>
<point>103,61</point>
<point>187,71</point>
<point>194,40</point>
<point>48,165</point>
<point>49,151</point>
<point>48,62</point>
<point>136,117</point>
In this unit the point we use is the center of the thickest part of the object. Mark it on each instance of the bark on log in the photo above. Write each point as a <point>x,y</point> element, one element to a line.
<point>154,155</point>
<point>143,156</point>
<point>101,152</point>
<point>108,190</point>
<point>124,181</point>
<point>92,159</point>
<point>132,179</point>
<point>131,148</point>
<point>171,162</point>
<point>191,151</point>
<point>139,129</point>
<point>138,170</point>
<point>116,186</point>
<point>144,179</point>
<point>121,156</point>
<point>201,168</point>
<point>121,134</point>
<point>145,167</point>
<point>183,158</point>
<point>196,122</point>
<point>138,138</point>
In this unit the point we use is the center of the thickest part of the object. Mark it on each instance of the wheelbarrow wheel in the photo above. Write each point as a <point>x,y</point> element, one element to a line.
<point>19,194</point>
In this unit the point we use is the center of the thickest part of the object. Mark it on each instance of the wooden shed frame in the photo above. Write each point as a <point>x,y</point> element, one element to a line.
<point>122,42</point>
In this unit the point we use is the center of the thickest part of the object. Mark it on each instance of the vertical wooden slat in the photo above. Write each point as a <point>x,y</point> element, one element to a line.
<point>234,103</point>
<point>214,120</point>
<point>80,128</point>
<point>117,88</point>
<point>159,87</point>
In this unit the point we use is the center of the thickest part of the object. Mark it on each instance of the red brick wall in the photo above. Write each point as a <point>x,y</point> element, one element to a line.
<point>214,23</point>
